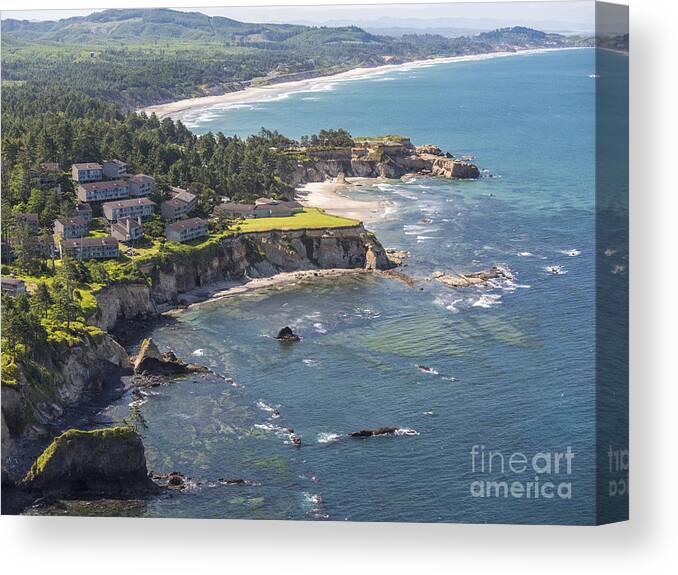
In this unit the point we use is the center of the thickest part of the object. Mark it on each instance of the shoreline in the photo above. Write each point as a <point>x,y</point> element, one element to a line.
<point>328,197</point>
<point>283,89</point>
<point>234,288</point>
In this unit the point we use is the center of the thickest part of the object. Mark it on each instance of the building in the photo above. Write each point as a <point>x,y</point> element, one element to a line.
<point>47,176</point>
<point>179,205</point>
<point>186,230</point>
<point>103,191</point>
<point>75,227</point>
<point>127,230</point>
<point>235,210</point>
<point>114,169</point>
<point>90,248</point>
<point>87,172</point>
<point>132,208</point>
<point>84,211</point>
<point>141,185</point>
<point>275,208</point>
<point>28,219</point>
<point>12,286</point>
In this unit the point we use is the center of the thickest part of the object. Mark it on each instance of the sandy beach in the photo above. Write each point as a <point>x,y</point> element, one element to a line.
<point>265,93</point>
<point>327,196</point>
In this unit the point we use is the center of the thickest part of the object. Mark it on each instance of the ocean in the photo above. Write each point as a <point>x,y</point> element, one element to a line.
<point>507,368</point>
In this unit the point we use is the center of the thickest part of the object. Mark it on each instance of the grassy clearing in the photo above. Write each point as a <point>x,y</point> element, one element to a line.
<point>385,138</point>
<point>310,218</point>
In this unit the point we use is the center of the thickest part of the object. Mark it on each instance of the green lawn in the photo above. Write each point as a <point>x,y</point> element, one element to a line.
<point>147,250</point>
<point>308,219</point>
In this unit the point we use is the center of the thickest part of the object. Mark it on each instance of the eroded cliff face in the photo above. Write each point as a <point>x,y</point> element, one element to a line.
<point>66,375</point>
<point>107,462</point>
<point>390,162</point>
<point>56,381</point>
<point>122,301</point>
<point>266,254</point>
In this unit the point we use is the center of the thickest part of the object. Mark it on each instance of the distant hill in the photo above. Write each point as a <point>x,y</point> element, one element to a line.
<point>137,57</point>
<point>134,27</point>
<point>138,27</point>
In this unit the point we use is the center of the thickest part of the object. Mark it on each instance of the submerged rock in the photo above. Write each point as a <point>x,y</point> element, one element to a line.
<point>176,480</point>
<point>372,432</point>
<point>287,335</point>
<point>466,280</point>
<point>101,463</point>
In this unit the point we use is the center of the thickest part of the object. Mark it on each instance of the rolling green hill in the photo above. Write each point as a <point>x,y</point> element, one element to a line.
<point>147,56</point>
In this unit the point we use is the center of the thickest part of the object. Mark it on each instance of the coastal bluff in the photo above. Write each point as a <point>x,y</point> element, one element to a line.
<point>64,376</point>
<point>264,254</point>
<point>389,157</point>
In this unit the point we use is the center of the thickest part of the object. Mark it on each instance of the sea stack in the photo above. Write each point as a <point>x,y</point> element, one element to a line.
<point>287,335</point>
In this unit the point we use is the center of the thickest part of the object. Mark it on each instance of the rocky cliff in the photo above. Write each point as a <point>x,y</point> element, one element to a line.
<point>52,383</point>
<point>64,376</point>
<point>122,301</point>
<point>266,254</point>
<point>372,159</point>
<point>103,463</point>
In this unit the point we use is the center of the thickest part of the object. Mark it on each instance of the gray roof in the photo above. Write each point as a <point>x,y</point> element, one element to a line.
<point>129,203</point>
<point>87,166</point>
<point>104,185</point>
<point>89,242</point>
<point>141,178</point>
<point>74,221</point>
<point>235,207</point>
<point>188,224</point>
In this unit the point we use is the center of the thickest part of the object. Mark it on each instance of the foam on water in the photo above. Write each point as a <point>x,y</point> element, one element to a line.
<point>487,300</point>
<point>328,437</point>
<point>406,431</point>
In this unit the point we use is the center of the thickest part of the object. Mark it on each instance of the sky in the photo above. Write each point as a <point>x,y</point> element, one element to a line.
<point>566,16</point>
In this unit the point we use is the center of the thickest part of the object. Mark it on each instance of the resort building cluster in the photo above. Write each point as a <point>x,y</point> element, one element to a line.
<point>121,199</point>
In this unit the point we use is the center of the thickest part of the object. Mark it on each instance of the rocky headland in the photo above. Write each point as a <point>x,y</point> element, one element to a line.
<point>36,406</point>
<point>62,378</point>
<point>384,157</point>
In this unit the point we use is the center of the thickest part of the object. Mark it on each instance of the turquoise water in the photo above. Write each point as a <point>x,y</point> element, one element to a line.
<point>512,364</point>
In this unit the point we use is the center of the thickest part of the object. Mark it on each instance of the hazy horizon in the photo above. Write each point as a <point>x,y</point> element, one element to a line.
<point>566,16</point>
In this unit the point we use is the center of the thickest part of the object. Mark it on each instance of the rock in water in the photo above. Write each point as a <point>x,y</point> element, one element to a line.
<point>471,279</point>
<point>149,360</point>
<point>102,463</point>
<point>371,432</point>
<point>286,334</point>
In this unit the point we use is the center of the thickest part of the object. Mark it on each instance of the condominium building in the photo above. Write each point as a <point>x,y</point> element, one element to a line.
<point>90,248</point>
<point>75,227</point>
<point>114,169</point>
<point>87,172</point>
<point>132,208</point>
<point>127,230</point>
<point>102,191</point>
<point>179,205</point>
<point>141,185</point>
<point>186,230</point>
